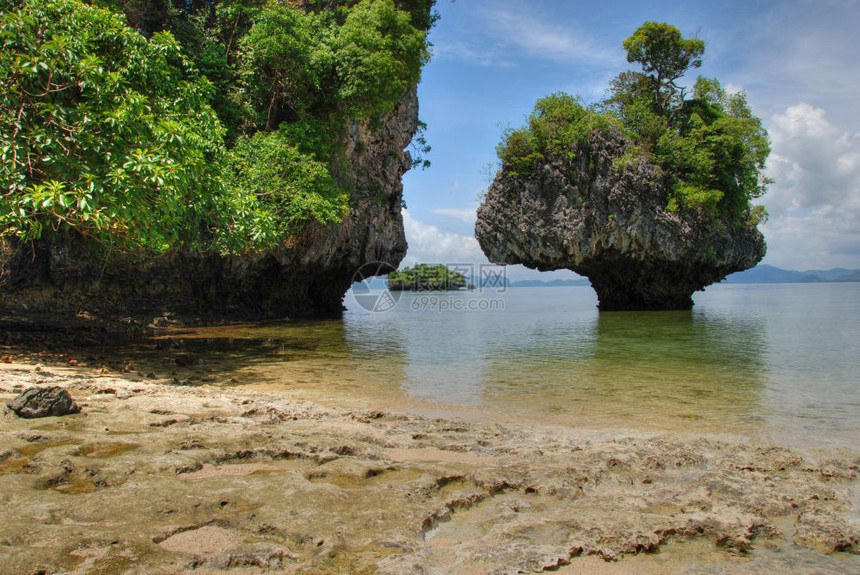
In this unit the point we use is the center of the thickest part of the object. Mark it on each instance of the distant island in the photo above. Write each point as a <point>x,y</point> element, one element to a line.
<point>425,277</point>
<point>761,274</point>
<point>765,274</point>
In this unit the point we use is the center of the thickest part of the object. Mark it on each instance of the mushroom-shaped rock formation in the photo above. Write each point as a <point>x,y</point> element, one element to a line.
<point>648,194</point>
<point>608,220</point>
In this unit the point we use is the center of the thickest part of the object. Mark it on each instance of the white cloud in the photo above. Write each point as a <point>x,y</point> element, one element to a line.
<point>733,88</point>
<point>525,30</point>
<point>429,244</point>
<point>465,215</point>
<point>815,202</point>
<point>802,50</point>
<point>477,56</point>
<point>508,31</point>
<point>825,238</point>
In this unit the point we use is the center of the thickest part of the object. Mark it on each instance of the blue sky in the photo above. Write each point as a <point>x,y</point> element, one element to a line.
<point>798,61</point>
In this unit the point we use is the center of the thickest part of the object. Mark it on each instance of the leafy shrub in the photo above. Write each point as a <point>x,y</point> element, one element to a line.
<point>102,130</point>
<point>559,126</point>
<point>278,188</point>
<point>378,56</point>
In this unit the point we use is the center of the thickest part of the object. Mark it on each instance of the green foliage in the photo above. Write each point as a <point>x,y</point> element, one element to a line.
<point>425,277</point>
<point>518,152</point>
<point>662,51</point>
<point>717,152</point>
<point>214,128</point>
<point>378,57</point>
<point>710,147</point>
<point>758,215</point>
<point>102,130</point>
<point>284,63</point>
<point>352,63</point>
<point>279,188</point>
<point>665,56</point>
<point>559,125</point>
<point>420,149</point>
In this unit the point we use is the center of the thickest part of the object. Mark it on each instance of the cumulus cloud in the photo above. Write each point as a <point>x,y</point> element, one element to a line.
<point>815,203</point>
<point>429,244</point>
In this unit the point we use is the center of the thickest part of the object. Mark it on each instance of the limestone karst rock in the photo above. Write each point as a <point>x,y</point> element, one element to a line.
<point>609,221</point>
<point>308,276</point>
<point>296,186</point>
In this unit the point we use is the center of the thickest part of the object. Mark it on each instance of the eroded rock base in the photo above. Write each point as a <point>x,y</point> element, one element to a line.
<point>624,285</point>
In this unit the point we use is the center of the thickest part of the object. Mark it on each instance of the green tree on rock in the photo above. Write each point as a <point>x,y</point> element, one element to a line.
<point>665,57</point>
<point>211,126</point>
<point>709,147</point>
<point>102,130</point>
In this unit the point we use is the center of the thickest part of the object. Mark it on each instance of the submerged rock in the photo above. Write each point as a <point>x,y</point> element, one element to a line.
<point>43,402</point>
<point>609,221</point>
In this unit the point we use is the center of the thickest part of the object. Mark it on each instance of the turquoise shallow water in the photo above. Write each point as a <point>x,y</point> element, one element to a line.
<point>775,362</point>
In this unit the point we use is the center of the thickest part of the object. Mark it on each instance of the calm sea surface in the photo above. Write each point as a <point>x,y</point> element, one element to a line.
<point>773,362</point>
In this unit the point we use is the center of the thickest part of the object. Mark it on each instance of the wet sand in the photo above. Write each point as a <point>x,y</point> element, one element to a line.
<point>161,478</point>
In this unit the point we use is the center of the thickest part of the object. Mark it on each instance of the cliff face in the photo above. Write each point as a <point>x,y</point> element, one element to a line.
<point>307,277</point>
<point>611,225</point>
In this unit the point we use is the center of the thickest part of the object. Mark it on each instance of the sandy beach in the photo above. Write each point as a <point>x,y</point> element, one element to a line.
<point>155,477</point>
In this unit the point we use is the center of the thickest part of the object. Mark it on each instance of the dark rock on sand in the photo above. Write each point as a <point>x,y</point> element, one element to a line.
<point>43,402</point>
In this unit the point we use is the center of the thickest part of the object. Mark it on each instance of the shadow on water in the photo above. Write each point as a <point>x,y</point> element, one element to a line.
<point>321,357</point>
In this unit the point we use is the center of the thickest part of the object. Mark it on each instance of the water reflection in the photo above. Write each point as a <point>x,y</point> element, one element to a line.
<point>811,357</point>
<point>443,350</point>
<point>672,370</point>
<point>536,360</point>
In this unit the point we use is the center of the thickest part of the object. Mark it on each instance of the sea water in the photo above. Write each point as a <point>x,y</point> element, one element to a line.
<point>777,362</point>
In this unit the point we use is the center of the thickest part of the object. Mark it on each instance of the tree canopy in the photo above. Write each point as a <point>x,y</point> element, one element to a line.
<point>665,57</point>
<point>211,125</point>
<point>102,130</point>
<point>708,145</point>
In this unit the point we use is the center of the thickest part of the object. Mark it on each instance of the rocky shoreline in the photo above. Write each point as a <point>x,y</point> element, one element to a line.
<point>160,478</point>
